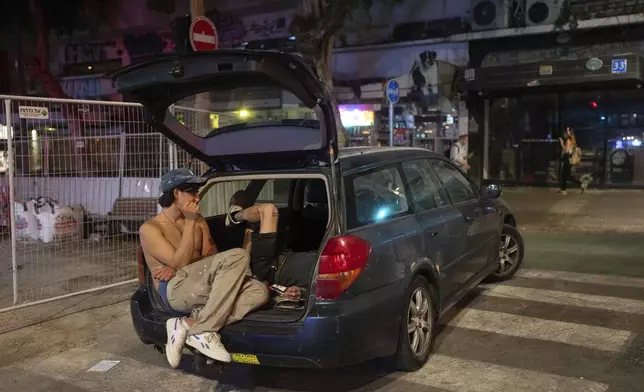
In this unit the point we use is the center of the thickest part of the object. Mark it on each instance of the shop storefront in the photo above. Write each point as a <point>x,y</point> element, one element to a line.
<point>359,122</point>
<point>527,106</point>
<point>427,114</point>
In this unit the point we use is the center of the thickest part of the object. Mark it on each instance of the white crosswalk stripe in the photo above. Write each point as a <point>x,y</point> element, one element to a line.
<point>608,280</point>
<point>597,338</point>
<point>593,301</point>
<point>460,375</point>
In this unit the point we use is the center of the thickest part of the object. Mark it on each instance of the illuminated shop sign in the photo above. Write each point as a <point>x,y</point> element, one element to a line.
<point>356,115</point>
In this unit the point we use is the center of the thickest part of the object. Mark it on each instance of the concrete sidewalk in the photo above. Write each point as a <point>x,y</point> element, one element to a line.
<point>595,211</point>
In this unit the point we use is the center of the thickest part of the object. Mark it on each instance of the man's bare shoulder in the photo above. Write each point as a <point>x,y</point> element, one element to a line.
<point>150,227</point>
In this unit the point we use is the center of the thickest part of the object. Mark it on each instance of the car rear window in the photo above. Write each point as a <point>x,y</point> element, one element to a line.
<point>215,200</point>
<point>375,196</point>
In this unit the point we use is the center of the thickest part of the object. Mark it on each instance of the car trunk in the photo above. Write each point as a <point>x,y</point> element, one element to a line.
<point>245,89</point>
<point>302,202</point>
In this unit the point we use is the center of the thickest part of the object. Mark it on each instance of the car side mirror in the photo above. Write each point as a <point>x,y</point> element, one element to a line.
<point>491,191</point>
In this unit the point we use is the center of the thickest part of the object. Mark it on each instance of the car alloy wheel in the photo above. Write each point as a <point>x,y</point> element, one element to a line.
<point>508,254</point>
<point>419,322</point>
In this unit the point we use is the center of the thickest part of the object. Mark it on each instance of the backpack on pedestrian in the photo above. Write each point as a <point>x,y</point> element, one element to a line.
<point>448,152</point>
<point>575,156</point>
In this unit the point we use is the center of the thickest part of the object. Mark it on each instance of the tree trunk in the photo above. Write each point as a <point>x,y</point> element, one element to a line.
<point>40,68</point>
<point>53,89</point>
<point>323,61</point>
<point>315,28</point>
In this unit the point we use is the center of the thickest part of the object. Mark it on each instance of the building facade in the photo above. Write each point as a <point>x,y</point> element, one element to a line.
<point>577,68</point>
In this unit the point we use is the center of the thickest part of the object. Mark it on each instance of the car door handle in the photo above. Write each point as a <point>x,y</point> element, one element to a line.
<point>469,219</point>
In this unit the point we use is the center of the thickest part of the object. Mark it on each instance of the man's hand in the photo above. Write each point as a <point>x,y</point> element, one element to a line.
<point>165,273</point>
<point>190,211</point>
<point>293,293</point>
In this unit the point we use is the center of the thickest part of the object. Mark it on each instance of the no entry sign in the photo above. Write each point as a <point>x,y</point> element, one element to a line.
<point>203,35</point>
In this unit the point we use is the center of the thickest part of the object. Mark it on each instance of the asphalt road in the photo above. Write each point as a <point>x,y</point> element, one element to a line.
<point>571,321</point>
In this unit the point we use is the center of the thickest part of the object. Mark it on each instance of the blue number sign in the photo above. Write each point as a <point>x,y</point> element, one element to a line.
<point>619,66</point>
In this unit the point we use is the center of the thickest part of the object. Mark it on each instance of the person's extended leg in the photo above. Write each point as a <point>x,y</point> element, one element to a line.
<point>263,253</point>
<point>214,283</point>
<point>251,291</point>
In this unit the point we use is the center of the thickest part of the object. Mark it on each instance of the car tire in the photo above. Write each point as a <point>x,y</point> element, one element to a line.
<point>510,256</point>
<point>407,357</point>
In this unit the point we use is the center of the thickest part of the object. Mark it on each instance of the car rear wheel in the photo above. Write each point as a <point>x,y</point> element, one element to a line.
<point>417,326</point>
<point>510,257</point>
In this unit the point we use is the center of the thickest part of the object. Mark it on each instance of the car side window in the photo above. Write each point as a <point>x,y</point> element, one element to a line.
<point>458,187</point>
<point>426,190</point>
<point>375,196</point>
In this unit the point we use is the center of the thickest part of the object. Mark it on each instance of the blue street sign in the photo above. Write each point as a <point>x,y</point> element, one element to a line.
<point>619,66</point>
<point>393,91</point>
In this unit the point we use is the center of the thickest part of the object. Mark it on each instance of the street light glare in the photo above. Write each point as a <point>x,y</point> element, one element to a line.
<point>243,113</point>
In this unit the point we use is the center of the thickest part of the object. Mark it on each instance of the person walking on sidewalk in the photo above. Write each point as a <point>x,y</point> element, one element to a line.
<point>191,276</point>
<point>458,152</point>
<point>570,156</point>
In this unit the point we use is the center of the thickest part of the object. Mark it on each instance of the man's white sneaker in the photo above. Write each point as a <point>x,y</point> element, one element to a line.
<point>209,344</point>
<point>177,333</point>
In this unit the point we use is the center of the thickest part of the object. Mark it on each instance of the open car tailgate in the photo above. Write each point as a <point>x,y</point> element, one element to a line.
<point>284,144</point>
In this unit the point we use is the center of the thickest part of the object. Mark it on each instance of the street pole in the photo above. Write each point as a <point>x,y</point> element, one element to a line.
<point>391,124</point>
<point>196,9</point>
<point>202,100</point>
<point>392,92</point>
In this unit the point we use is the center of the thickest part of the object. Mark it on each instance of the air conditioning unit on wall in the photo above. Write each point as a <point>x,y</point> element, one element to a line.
<point>490,14</point>
<point>542,12</point>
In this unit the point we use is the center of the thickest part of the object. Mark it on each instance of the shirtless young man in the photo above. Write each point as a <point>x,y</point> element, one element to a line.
<point>191,276</point>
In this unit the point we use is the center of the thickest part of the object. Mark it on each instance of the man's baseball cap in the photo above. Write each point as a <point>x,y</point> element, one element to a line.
<point>178,177</point>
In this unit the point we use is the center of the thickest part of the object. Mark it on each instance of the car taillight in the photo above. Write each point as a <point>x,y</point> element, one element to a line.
<point>140,265</point>
<point>342,260</point>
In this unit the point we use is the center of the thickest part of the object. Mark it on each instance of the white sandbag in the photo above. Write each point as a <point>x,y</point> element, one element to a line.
<point>46,222</point>
<point>32,221</point>
<point>67,226</point>
<point>21,221</point>
<point>58,223</point>
<point>26,222</point>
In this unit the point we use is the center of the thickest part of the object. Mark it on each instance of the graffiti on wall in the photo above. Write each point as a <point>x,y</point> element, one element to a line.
<point>138,45</point>
<point>268,26</point>
<point>561,53</point>
<point>424,75</point>
<point>90,52</point>
<point>233,29</point>
<point>125,48</point>
<point>87,87</point>
<point>230,28</point>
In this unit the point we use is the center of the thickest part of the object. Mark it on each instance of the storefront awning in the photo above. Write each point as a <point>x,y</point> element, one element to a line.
<point>555,74</point>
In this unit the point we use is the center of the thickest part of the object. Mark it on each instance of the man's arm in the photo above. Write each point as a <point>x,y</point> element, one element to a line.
<point>154,243</point>
<point>208,246</point>
<point>454,155</point>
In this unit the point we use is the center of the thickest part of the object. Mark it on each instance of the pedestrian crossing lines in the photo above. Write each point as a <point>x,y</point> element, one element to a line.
<point>541,331</point>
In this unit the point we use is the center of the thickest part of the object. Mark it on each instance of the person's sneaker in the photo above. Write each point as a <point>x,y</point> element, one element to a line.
<point>238,202</point>
<point>177,332</point>
<point>209,344</point>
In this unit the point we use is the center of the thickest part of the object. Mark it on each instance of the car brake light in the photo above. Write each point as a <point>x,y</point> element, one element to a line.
<point>342,260</point>
<point>140,265</point>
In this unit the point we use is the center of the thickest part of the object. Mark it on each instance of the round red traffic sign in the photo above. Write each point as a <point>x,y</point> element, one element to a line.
<point>203,34</point>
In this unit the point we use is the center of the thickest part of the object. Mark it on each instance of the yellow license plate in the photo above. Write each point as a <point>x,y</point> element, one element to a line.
<point>246,358</point>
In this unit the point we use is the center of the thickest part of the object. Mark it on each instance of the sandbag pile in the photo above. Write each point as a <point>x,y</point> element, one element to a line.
<point>44,219</point>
